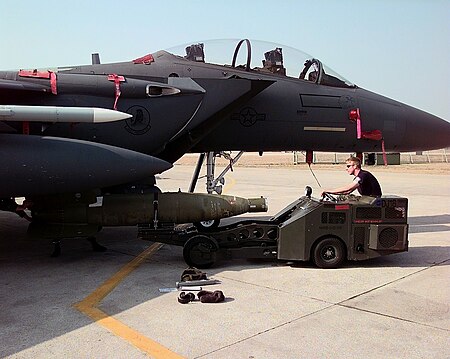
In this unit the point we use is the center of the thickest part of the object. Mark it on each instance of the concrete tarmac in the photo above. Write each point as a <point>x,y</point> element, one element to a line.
<point>85,304</point>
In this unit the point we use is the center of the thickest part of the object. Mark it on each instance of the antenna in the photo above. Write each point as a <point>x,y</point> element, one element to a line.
<point>95,59</point>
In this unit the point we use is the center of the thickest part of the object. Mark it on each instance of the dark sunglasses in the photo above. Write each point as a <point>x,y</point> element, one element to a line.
<point>349,166</point>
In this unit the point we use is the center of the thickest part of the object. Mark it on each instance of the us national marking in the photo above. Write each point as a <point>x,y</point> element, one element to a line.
<point>325,129</point>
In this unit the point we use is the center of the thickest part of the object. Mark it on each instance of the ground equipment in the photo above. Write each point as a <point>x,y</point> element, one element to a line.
<point>327,231</point>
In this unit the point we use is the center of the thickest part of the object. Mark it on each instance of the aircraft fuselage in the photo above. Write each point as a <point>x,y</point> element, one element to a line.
<point>183,106</point>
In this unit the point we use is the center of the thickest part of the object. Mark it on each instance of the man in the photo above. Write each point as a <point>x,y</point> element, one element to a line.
<point>364,181</point>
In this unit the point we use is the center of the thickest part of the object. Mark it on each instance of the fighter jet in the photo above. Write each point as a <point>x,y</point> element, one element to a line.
<point>70,135</point>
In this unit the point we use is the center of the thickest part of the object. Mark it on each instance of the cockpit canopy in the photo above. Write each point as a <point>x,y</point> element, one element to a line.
<point>264,57</point>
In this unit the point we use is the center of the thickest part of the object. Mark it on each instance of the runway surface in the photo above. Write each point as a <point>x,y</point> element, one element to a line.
<point>85,304</point>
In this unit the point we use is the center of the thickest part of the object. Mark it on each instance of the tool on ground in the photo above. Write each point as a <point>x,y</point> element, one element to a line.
<point>190,288</point>
<point>197,282</point>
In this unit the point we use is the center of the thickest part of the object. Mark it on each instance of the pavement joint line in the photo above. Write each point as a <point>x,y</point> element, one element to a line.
<point>342,303</point>
<point>331,305</point>
<point>267,330</point>
<point>392,317</point>
<point>89,307</point>
<point>278,290</point>
<point>393,281</point>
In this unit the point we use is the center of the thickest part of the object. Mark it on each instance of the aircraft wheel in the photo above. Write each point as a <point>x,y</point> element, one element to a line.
<point>328,253</point>
<point>200,251</point>
<point>206,226</point>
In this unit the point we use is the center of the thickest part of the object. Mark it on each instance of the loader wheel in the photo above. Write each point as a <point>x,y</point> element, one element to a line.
<point>328,253</point>
<point>200,251</point>
<point>207,226</point>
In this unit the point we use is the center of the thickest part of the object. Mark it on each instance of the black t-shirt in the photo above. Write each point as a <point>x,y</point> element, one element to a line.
<point>368,184</point>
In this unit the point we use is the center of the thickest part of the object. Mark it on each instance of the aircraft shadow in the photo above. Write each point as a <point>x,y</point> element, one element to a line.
<point>38,291</point>
<point>44,289</point>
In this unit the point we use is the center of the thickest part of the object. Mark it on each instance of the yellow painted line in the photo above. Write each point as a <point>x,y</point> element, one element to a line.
<point>230,182</point>
<point>108,286</point>
<point>88,306</point>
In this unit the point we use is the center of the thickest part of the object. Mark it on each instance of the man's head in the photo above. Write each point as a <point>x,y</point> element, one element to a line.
<point>353,163</point>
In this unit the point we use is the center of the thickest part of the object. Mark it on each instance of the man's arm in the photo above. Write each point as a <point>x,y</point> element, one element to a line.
<point>344,189</point>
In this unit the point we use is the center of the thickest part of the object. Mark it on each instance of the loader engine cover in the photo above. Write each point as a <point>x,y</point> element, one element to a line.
<point>367,227</point>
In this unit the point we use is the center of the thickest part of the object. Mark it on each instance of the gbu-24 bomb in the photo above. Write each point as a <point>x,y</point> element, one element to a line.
<point>153,208</point>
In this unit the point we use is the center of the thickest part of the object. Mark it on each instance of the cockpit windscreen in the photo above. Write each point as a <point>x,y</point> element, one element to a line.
<point>260,56</point>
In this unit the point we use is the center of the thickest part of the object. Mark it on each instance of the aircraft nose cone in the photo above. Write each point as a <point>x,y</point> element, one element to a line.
<point>425,131</point>
<point>404,128</point>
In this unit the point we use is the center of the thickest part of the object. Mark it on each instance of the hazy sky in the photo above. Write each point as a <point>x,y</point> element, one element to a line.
<point>398,48</point>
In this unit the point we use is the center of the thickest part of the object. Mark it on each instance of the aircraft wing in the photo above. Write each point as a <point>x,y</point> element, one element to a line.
<point>48,163</point>
<point>40,165</point>
<point>223,96</point>
<point>45,165</point>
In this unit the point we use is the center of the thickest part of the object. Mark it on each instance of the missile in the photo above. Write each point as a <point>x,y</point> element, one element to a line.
<point>60,114</point>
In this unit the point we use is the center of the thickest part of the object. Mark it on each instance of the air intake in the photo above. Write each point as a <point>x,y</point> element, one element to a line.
<point>388,237</point>
<point>368,213</point>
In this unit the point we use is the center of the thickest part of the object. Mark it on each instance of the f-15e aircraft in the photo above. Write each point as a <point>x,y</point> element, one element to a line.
<point>109,128</point>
